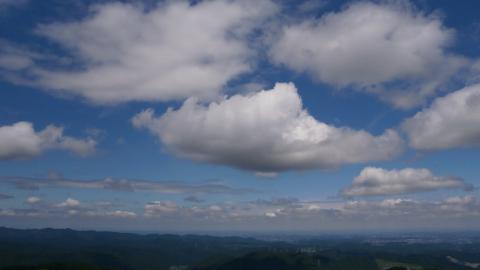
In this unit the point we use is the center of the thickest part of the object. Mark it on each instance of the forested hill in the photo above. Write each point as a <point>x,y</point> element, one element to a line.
<point>115,250</point>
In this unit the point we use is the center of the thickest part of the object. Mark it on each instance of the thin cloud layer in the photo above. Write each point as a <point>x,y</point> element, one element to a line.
<point>21,141</point>
<point>451,121</point>
<point>125,185</point>
<point>377,181</point>
<point>390,50</point>
<point>267,131</point>
<point>5,4</point>
<point>173,51</point>
<point>5,196</point>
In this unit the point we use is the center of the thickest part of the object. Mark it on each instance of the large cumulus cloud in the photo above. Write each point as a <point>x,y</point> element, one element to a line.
<point>123,52</point>
<point>372,47</point>
<point>266,131</point>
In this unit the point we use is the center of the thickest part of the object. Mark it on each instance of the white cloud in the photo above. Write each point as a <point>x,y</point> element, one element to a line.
<point>372,47</point>
<point>465,200</point>
<point>21,141</point>
<point>391,203</point>
<point>267,131</point>
<point>172,51</point>
<point>270,214</point>
<point>399,210</point>
<point>156,208</point>
<point>466,203</point>
<point>121,214</point>
<point>69,203</point>
<point>33,200</point>
<point>451,121</point>
<point>215,208</point>
<point>378,181</point>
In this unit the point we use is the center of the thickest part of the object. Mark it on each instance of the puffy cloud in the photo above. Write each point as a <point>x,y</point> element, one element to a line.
<point>156,208</point>
<point>372,47</point>
<point>266,131</point>
<point>378,181</point>
<point>21,141</point>
<point>460,204</point>
<point>451,121</point>
<point>270,214</point>
<point>69,203</point>
<point>121,214</point>
<point>464,200</point>
<point>33,200</point>
<point>172,51</point>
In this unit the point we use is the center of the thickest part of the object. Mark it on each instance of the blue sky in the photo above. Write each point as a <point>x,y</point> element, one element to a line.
<point>235,115</point>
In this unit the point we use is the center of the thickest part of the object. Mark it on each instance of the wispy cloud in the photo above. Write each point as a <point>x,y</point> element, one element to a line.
<point>5,196</point>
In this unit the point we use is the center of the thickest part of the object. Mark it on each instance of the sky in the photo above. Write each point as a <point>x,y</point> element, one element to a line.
<point>240,116</point>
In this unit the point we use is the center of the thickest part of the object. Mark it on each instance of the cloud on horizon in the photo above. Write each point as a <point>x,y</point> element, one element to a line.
<point>275,214</point>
